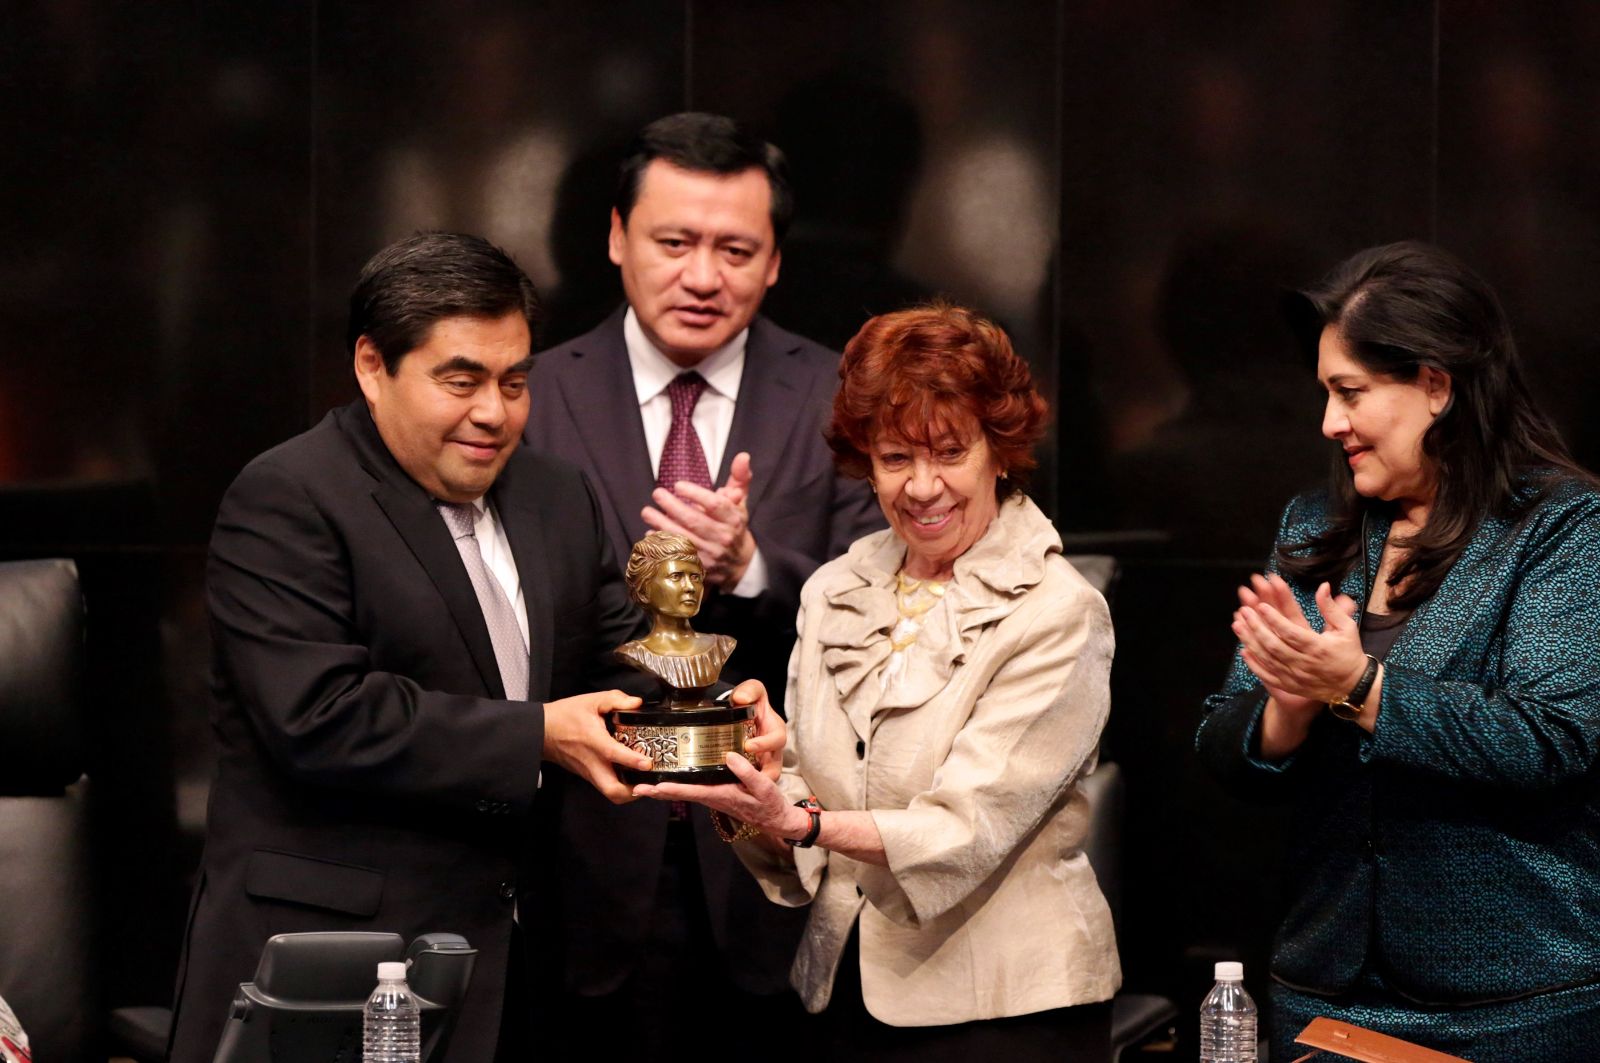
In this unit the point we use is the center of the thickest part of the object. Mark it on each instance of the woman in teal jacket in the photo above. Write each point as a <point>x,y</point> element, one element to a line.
<point>1419,675</point>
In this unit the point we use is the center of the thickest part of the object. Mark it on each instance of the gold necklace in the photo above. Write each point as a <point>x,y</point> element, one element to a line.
<point>913,598</point>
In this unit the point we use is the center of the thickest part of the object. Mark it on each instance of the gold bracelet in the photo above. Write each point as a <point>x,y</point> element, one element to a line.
<point>730,829</point>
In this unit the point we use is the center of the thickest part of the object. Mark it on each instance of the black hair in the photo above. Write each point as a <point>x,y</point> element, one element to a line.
<point>412,284</point>
<point>705,143</point>
<point>1397,308</point>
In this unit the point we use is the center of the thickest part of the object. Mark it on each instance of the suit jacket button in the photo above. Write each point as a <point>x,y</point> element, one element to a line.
<point>483,806</point>
<point>861,749</point>
<point>508,891</point>
<point>858,891</point>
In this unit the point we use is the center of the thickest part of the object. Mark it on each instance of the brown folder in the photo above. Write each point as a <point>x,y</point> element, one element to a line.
<point>1352,1042</point>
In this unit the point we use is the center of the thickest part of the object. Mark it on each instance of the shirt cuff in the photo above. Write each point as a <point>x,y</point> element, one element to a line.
<point>754,580</point>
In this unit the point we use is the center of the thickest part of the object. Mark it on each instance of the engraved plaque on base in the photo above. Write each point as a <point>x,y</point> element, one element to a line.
<point>687,743</point>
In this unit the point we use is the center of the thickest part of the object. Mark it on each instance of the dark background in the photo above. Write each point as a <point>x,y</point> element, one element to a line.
<point>189,190</point>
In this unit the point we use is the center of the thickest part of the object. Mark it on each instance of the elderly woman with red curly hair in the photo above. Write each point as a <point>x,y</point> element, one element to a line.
<point>946,696</point>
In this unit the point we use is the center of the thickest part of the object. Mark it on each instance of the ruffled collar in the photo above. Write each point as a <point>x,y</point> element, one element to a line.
<point>988,583</point>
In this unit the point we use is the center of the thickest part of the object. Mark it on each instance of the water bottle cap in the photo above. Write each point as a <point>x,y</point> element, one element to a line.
<point>393,971</point>
<point>1230,971</point>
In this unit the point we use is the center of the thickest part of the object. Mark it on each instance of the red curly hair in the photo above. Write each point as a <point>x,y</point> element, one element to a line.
<point>933,371</point>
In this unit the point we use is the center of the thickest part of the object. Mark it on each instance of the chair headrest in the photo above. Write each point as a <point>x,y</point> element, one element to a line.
<point>41,664</point>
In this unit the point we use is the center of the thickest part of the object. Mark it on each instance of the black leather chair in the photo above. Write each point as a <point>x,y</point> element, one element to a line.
<point>1099,569</point>
<point>48,953</point>
<point>1135,1017</point>
<point>305,1002</point>
<point>47,970</point>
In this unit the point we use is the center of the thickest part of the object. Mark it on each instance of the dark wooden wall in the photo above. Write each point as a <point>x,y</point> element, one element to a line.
<point>189,190</point>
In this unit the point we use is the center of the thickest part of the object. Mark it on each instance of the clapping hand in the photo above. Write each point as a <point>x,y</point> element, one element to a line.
<point>717,522</point>
<point>1301,669</point>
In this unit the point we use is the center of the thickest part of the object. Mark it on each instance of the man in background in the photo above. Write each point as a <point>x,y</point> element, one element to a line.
<point>692,413</point>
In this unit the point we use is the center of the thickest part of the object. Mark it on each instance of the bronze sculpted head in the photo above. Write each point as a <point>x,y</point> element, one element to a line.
<point>665,575</point>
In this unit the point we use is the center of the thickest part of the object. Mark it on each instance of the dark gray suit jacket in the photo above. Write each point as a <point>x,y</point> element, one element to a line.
<point>802,513</point>
<point>371,774</point>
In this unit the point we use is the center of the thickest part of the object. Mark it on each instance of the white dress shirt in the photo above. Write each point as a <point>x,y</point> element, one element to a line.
<point>722,369</point>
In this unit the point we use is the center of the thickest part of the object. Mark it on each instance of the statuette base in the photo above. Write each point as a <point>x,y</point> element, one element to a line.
<point>687,744</point>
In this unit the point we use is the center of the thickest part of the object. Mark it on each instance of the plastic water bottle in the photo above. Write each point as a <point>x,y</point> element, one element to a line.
<point>392,1021</point>
<point>1228,1019</point>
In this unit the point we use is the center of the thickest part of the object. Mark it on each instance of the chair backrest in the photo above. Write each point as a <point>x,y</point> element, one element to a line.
<point>1104,786</point>
<point>1105,789</point>
<point>1099,569</point>
<point>47,969</point>
<point>306,1000</point>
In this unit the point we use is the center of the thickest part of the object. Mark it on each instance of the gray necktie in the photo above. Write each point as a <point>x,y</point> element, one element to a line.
<point>510,652</point>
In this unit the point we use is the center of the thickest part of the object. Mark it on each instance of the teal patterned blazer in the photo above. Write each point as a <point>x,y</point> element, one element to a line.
<point>1456,849</point>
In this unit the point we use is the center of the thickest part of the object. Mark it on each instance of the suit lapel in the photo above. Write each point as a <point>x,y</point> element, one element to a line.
<point>524,530</point>
<point>1441,624</point>
<point>1358,582</point>
<point>1456,611</point>
<point>771,398</point>
<point>414,518</point>
<point>601,400</point>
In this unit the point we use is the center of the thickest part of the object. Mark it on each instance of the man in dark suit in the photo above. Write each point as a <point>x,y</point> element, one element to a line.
<point>686,380</point>
<point>393,594</point>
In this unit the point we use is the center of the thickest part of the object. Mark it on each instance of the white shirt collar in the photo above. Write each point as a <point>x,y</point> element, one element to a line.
<point>723,368</point>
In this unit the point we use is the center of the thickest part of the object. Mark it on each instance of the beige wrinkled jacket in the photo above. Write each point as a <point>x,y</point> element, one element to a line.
<point>988,906</point>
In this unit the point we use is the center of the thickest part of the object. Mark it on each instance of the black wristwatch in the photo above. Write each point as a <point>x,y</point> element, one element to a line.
<point>1349,706</point>
<point>813,808</point>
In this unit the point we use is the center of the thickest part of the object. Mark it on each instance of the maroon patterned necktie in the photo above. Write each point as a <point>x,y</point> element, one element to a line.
<point>681,456</point>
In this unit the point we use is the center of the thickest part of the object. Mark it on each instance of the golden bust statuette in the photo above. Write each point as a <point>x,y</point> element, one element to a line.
<point>684,731</point>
